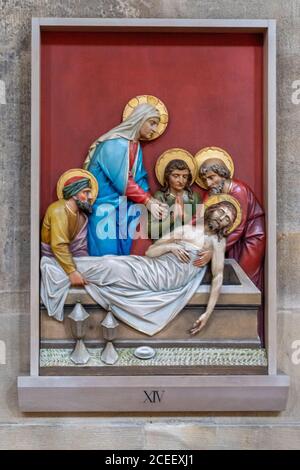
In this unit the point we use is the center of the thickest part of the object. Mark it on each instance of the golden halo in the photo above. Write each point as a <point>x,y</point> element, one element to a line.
<point>216,198</point>
<point>174,154</point>
<point>157,103</point>
<point>212,152</point>
<point>77,172</point>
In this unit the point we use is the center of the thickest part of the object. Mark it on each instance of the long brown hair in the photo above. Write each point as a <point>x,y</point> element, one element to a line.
<point>177,164</point>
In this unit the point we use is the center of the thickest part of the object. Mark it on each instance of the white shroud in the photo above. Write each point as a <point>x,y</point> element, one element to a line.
<point>146,293</point>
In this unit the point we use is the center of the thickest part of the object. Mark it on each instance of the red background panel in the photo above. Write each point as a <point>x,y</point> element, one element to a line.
<point>210,83</point>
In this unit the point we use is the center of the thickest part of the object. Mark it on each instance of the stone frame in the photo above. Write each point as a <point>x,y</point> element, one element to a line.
<point>169,393</point>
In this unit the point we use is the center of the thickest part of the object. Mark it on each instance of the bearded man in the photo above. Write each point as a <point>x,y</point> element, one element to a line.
<point>247,243</point>
<point>64,228</point>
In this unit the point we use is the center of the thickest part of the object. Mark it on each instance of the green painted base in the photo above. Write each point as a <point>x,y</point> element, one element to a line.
<point>221,357</point>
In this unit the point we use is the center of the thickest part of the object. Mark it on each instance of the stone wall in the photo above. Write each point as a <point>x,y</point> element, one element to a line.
<point>198,431</point>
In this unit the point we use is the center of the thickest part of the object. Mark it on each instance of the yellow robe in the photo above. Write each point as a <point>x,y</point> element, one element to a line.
<point>60,227</point>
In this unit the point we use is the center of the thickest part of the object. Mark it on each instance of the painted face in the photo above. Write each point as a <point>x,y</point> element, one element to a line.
<point>214,182</point>
<point>84,200</point>
<point>220,218</point>
<point>149,128</point>
<point>85,195</point>
<point>178,180</point>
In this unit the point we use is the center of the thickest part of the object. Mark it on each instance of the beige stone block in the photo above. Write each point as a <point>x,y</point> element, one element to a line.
<point>201,437</point>
<point>288,333</point>
<point>288,29</point>
<point>56,435</point>
<point>288,191</point>
<point>17,18</point>
<point>276,9</point>
<point>14,302</point>
<point>15,218</point>
<point>288,67</point>
<point>288,289</point>
<point>87,434</point>
<point>14,331</point>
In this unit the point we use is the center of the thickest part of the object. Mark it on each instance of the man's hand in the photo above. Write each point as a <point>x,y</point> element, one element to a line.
<point>199,324</point>
<point>77,279</point>
<point>157,208</point>
<point>181,254</point>
<point>204,258</point>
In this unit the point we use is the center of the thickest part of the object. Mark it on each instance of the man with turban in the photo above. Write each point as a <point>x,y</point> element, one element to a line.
<point>64,228</point>
<point>115,160</point>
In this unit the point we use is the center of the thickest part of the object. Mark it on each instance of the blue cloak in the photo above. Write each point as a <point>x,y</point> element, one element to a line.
<point>109,222</point>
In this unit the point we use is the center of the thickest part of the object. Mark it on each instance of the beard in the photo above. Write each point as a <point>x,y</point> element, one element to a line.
<point>213,225</point>
<point>218,189</point>
<point>85,207</point>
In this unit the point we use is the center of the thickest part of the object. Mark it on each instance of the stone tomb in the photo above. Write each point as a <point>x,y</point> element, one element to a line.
<point>232,325</point>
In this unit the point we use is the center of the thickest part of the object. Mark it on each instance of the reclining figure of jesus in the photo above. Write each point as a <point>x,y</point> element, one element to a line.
<point>147,292</point>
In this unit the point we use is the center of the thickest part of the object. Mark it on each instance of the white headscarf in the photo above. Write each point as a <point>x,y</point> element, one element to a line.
<point>130,127</point>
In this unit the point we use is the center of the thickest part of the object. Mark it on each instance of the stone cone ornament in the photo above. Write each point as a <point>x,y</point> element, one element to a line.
<point>78,314</point>
<point>109,354</point>
<point>80,355</point>
<point>79,322</point>
<point>109,327</point>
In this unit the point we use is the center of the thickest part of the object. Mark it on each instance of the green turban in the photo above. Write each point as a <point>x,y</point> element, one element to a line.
<point>73,188</point>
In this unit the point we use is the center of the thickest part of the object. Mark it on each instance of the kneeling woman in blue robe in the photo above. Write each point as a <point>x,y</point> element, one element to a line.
<point>117,163</point>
